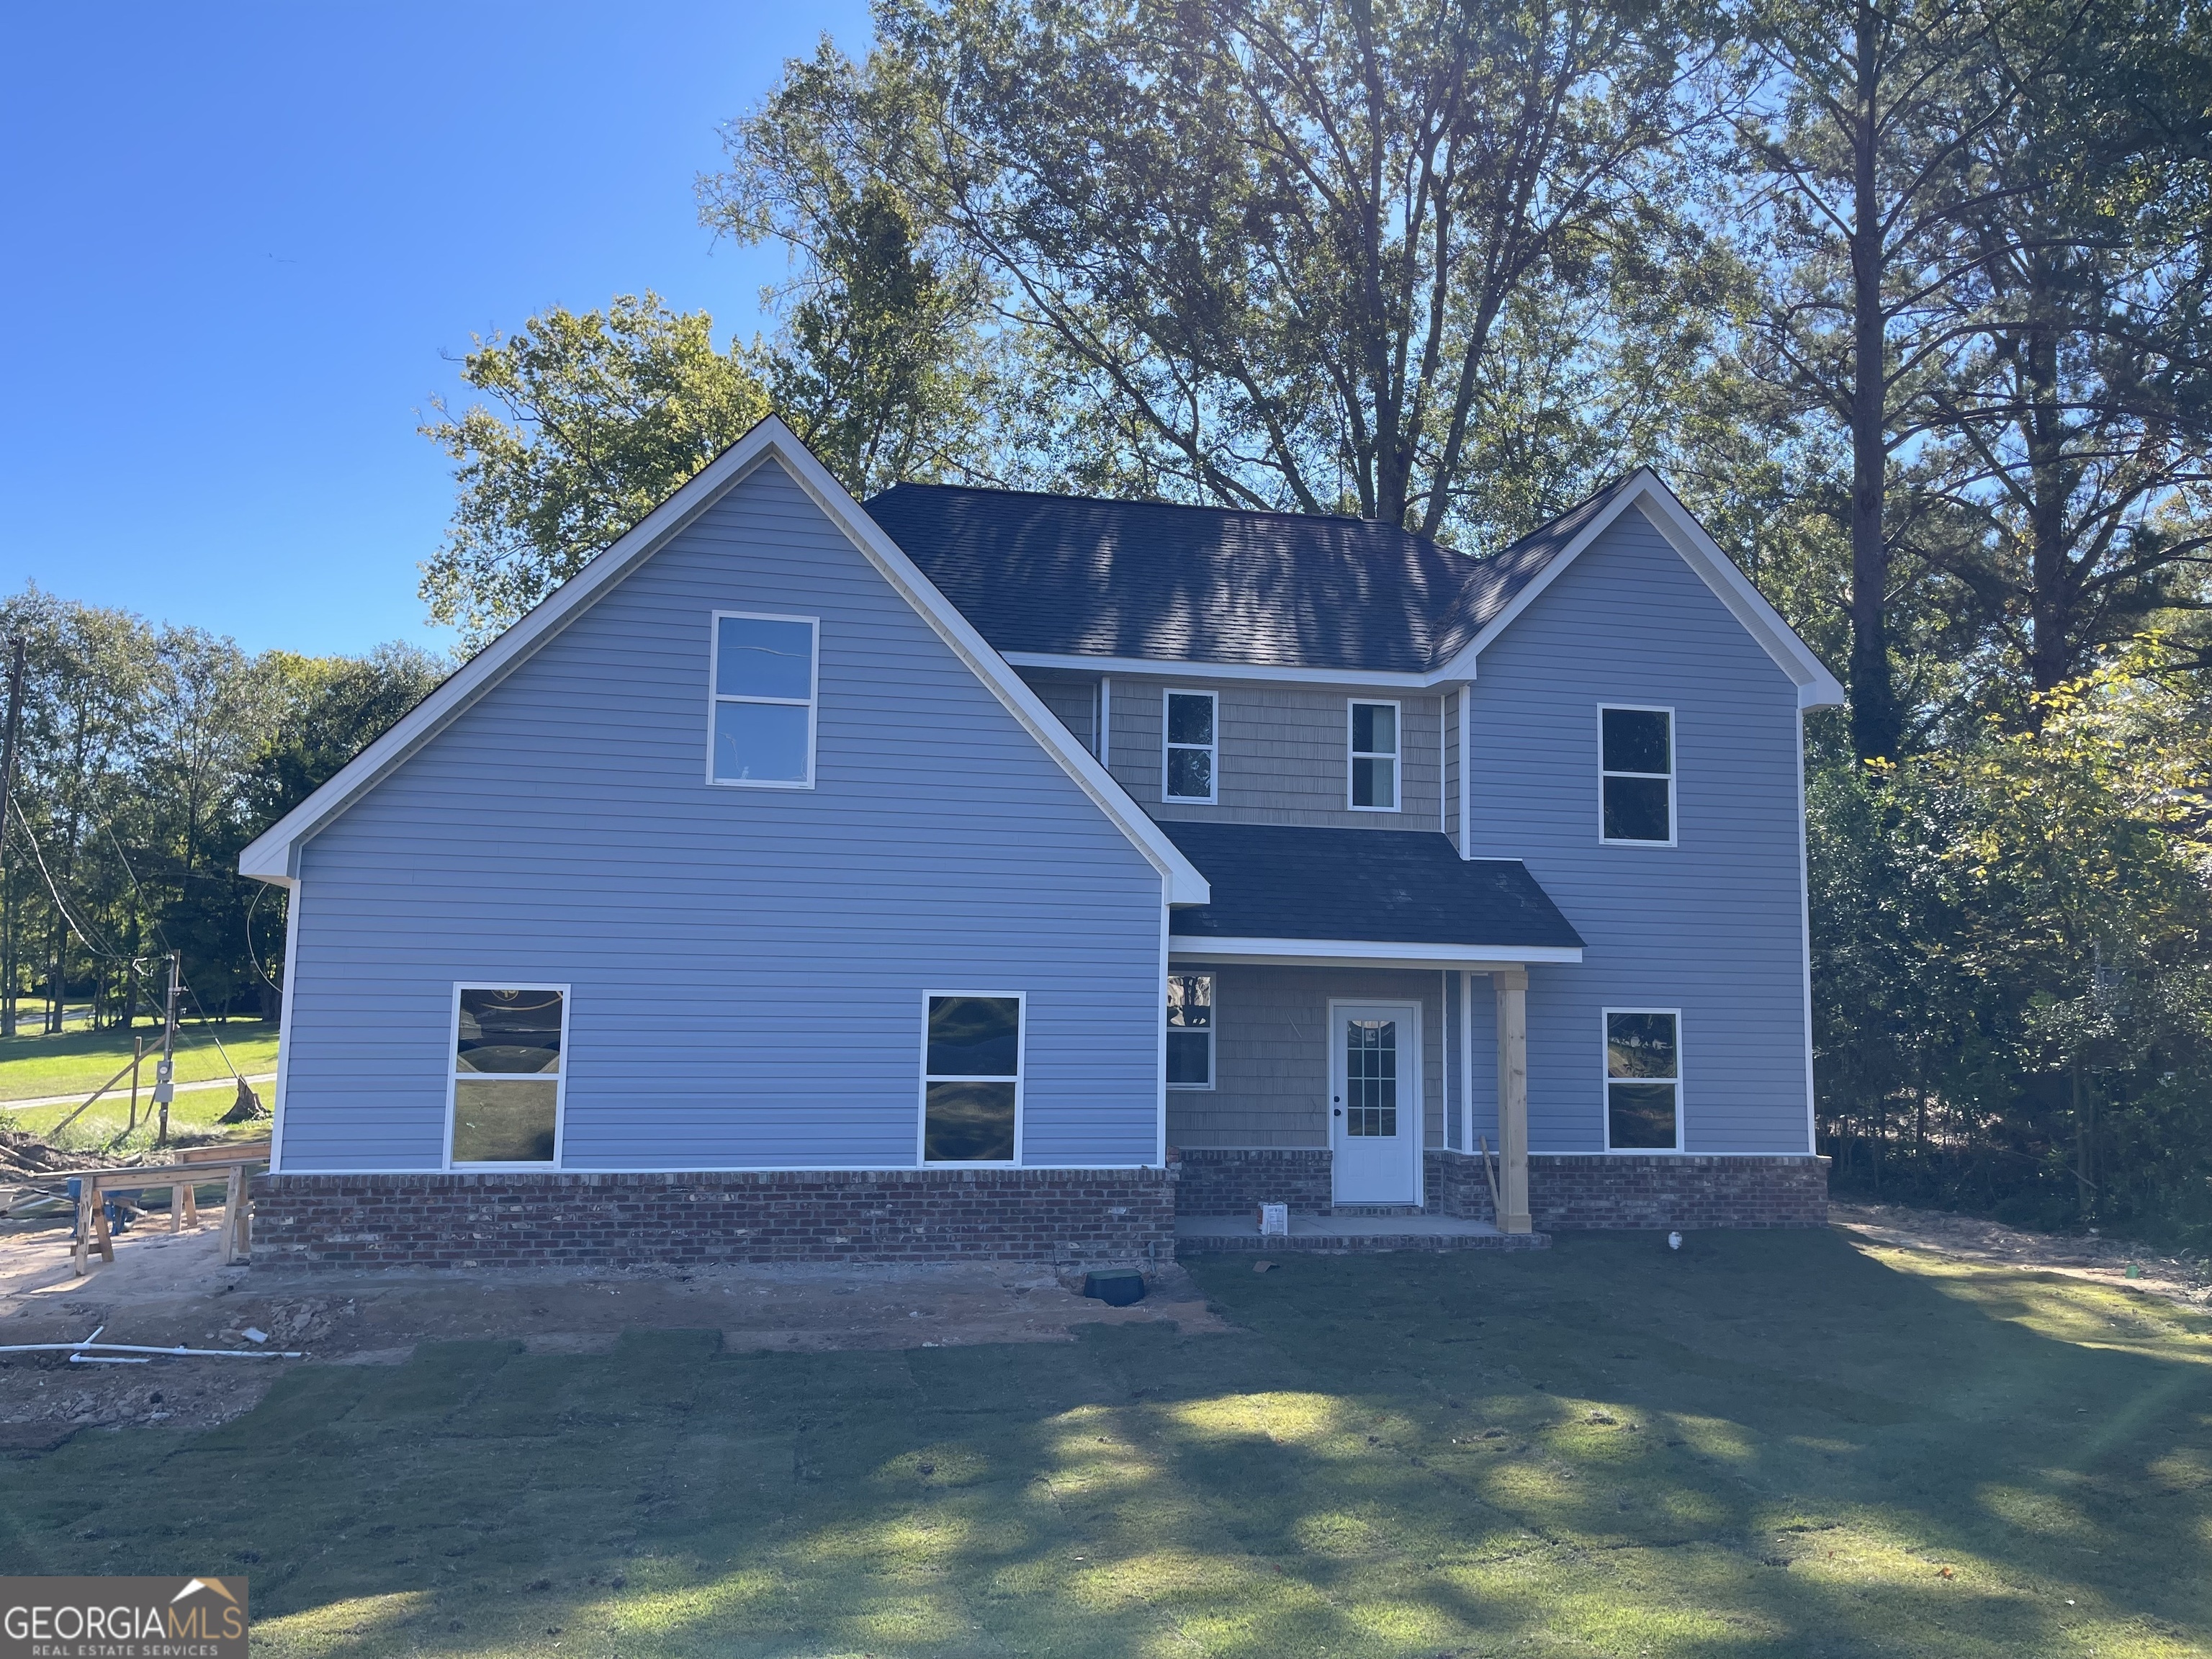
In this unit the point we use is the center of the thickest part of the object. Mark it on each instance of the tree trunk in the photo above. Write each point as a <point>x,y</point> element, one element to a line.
<point>54,981</point>
<point>2051,598</point>
<point>1875,723</point>
<point>2084,1150</point>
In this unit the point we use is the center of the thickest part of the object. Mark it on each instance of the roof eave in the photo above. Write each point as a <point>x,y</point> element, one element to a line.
<point>1330,952</point>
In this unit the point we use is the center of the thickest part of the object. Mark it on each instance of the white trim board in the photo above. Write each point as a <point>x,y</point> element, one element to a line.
<point>274,855</point>
<point>1336,952</point>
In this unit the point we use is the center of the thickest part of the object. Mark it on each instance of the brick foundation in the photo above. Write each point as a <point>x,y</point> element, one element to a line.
<point>1456,1186</point>
<point>1218,1182</point>
<point>1661,1189</point>
<point>513,1220</point>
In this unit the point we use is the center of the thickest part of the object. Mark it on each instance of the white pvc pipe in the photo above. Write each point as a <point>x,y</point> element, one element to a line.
<point>132,1347</point>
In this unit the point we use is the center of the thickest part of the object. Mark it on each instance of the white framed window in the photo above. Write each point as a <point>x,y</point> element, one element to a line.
<point>1190,1030</point>
<point>1374,757</point>
<point>1644,1079</point>
<point>509,1076</point>
<point>971,1076</point>
<point>1191,767</point>
<point>1636,776</point>
<point>762,701</point>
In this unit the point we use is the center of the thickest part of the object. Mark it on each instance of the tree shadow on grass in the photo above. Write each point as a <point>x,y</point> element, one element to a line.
<point>1767,1445</point>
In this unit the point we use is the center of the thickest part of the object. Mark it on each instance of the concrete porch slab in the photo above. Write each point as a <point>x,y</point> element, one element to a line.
<point>1346,1233</point>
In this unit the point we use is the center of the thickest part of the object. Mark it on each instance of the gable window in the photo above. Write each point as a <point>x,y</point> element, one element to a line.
<point>1192,748</point>
<point>1374,757</point>
<point>1643,1079</point>
<point>1190,1030</point>
<point>507,1073</point>
<point>972,1078</point>
<point>1636,775</point>
<point>763,705</point>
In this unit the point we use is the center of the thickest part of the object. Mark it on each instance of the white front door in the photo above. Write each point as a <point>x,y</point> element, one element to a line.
<point>1375,1101</point>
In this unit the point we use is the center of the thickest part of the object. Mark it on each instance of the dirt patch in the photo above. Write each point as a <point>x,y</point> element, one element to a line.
<point>168,1290</point>
<point>2185,1280</point>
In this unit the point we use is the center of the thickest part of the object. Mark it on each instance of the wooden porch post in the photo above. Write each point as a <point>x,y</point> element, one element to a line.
<point>1512,987</point>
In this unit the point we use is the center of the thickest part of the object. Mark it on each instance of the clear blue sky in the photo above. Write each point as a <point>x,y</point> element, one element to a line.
<point>241,241</point>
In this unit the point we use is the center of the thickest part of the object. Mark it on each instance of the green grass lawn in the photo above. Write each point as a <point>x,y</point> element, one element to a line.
<point>77,1063</point>
<point>1769,1444</point>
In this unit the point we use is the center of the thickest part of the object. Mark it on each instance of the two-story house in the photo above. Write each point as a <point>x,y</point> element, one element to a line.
<point>983,873</point>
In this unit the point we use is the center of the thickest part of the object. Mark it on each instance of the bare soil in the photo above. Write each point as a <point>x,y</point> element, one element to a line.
<point>2185,1280</point>
<point>171,1289</point>
<point>167,1289</point>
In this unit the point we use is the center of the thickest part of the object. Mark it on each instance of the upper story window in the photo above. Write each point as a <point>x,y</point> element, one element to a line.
<point>1374,757</point>
<point>1194,751</point>
<point>1636,775</point>
<point>763,707</point>
<point>507,1073</point>
<point>972,1078</point>
<point>1190,1030</point>
<point>1643,1079</point>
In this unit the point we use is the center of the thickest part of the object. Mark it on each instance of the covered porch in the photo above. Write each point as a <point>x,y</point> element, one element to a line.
<point>1348,1035</point>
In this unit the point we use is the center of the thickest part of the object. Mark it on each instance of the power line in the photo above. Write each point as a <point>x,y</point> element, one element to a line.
<point>62,904</point>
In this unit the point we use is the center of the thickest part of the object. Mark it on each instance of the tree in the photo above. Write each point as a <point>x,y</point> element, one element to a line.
<point>2009,955</point>
<point>2079,446</point>
<point>883,365</point>
<point>1265,252</point>
<point>607,413</point>
<point>1865,131</point>
<point>328,710</point>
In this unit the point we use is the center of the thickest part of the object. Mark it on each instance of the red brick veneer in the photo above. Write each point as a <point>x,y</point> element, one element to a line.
<point>1123,1216</point>
<point>1661,1189</point>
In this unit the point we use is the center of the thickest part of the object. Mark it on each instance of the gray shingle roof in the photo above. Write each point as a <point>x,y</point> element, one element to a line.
<point>1283,881</point>
<point>1071,575</point>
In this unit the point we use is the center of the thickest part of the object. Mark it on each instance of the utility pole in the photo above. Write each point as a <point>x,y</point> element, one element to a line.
<point>7,801</point>
<point>165,1069</point>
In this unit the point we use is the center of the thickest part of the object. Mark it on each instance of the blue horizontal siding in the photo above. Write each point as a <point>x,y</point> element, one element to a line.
<point>747,966</point>
<point>1715,925</point>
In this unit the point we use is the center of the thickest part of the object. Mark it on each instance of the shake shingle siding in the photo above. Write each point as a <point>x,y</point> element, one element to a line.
<point>1713,925</point>
<point>1272,1054</point>
<point>1285,753</point>
<point>747,966</point>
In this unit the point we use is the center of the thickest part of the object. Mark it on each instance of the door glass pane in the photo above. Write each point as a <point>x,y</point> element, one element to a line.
<point>1636,740</point>
<point>1636,809</point>
<point>760,741</point>
<point>1190,719</point>
<point>968,1123</point>
<point>974,1036</point>
<point>1640,1116</point>
<point>1371,1077</point>
<point>757,658</point>
<point>509,1122</point>
<point>509,1032</point>
<point>1190,774</point>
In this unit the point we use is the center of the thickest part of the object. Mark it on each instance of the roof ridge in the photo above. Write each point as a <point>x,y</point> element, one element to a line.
<point>1149,500</point>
